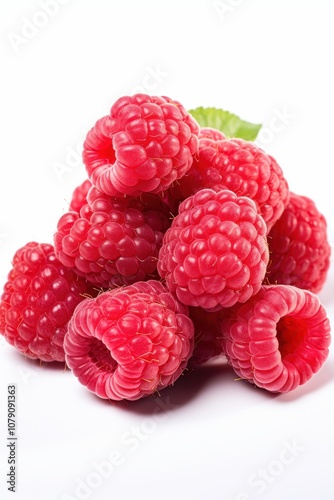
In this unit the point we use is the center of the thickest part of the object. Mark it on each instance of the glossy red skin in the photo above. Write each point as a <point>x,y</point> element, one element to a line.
<point>79,196</point>
<point>299,247</point>
<point>144,145</point>
<point>277,340</point>
<point>215,253</point>
<point>113,241</point>
<point>240,166</point>
<point>37,302</point>
<point>129,342</point>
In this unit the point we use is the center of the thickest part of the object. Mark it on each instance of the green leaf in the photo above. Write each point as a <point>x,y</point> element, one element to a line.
<point>228,123</point>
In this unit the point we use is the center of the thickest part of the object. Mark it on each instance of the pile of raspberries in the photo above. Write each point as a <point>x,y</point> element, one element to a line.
<point>180,246</point>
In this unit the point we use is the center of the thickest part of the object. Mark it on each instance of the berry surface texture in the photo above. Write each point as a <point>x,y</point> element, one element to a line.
<point>181,247</point>
<point>167,250</point>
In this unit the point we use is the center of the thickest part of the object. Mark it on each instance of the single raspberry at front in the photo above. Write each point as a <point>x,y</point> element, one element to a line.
<point>240,166</point>
<point>299,247</point>
<point>113,241</point>
<point>130,342</point>
<point>215,253</point>
<point>38,299</point>
<point>278,339</point>
<point>143,145</point>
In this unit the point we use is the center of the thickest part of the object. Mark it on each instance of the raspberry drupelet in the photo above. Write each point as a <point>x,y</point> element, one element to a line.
<point>79,196</point>
<point>210,133</point>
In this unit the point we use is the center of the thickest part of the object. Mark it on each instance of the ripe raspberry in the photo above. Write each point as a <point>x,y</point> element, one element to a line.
<point>113,241</point>
<point>171,202</point>
<point>298,246</point>
<point>172,197</point>
<point>143,145</point>
<point>242,167</point>
<point>215,252</point>
<point>207,335</point>
<point>37,302</point>
<point>210,133</point>
<point>79,196</point>
<point>129,342</point>
<point>278,339</point>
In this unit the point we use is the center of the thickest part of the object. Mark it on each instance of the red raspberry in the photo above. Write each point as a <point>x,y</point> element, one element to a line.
<point>278,339</point>
<point>298,245</point>
<point>38,299</point>
<point>113,241</point>
<point>215,252</point>
<point>172,197</point>
<point>242,167</point>
<point>207,335</point>
<point>210,133</point>
<point>79,196</point>
<point>129,342</point>
<point>171,202</point>
<point>143,145</point>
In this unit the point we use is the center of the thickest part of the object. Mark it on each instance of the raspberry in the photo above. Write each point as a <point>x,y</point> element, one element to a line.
<point>79,196</point>
<point>215,252</point>
<point>113,241</point>
<point>298,245</point>
<point>242,167</point>
<point>278,339</point>
<point>172,196</point>
<point>143,145</point>
<point>210,133</point>
<point>130,342</point>
<point>207,335</point>
<point>38,299</point>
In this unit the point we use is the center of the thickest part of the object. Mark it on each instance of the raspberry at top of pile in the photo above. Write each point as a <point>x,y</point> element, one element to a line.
<point>143,145</point>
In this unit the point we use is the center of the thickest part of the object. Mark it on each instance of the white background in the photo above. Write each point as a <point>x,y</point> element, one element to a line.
<point>210,436</point>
